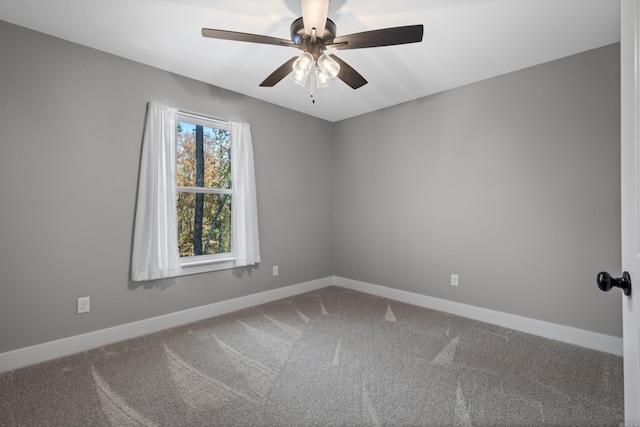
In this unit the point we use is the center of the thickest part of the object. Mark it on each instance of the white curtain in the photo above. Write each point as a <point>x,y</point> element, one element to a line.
<point>155,241</point>
<point>244,209</point>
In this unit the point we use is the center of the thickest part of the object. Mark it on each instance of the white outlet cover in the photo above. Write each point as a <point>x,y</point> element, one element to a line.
<point>84,305</point>
<point>454,280</point>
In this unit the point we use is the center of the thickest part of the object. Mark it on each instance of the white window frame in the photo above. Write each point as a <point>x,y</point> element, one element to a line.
<point>210,262</point>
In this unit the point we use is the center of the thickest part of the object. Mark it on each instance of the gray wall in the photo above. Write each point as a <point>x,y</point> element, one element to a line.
<point>71,123</point>
<point>513,183</point>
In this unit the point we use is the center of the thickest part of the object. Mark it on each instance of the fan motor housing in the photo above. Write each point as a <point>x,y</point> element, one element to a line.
<point>302,39</point>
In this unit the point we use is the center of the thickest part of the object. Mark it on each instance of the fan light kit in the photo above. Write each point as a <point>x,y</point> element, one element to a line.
<point>313,34</point>
<point>325,69</point>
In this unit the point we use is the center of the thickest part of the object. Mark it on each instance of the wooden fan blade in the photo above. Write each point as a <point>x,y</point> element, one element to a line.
<point>375,38</point>
<point>279,74</point>
<point>348,75</point>
<point>245,37</point>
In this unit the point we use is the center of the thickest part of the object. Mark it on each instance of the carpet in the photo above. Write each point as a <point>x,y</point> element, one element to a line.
<point>332,357</point>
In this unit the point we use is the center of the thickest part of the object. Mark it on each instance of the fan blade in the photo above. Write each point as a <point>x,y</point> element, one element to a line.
<point>279,74</point>
<point>245,37</point>
<point>375,38</point>
<point>348,75</point>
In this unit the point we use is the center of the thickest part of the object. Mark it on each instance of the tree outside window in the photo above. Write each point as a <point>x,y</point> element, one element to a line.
<point>204,191</point>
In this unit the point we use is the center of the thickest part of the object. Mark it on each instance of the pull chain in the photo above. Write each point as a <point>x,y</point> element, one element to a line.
<point>313,72</point>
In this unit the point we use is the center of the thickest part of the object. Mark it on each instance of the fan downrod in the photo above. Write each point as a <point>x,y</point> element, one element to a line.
<point>305,42</point>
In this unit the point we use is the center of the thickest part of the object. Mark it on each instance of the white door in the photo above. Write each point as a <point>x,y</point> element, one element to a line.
<point>630,173</point>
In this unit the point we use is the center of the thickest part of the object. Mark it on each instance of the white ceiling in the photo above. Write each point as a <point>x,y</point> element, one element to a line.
<point>464,41</point>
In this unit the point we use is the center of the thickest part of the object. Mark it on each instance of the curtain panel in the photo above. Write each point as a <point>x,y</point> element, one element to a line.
<point>244,209</point>
<point>155,242</point>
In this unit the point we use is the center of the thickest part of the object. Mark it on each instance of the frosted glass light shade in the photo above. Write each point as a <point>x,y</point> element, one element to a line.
<point>326,70</point>
<point>322,79</point>
<point>328,66</point>
<point>301,68</point>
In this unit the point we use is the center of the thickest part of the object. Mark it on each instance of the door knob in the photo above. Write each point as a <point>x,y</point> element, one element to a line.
<point>606,282</point>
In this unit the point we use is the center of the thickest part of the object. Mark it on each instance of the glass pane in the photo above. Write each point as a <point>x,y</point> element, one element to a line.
<point>204,223</point>
<point>203,156</point>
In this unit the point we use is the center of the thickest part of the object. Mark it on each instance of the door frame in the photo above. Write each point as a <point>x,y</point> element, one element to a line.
<point>630,200</point>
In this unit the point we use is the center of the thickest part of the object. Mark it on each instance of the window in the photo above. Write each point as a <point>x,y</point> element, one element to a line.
<point>196,208</point>
<point>204,193</point>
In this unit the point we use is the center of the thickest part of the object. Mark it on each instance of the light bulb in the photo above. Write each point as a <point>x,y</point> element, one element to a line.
<point>322,79</point>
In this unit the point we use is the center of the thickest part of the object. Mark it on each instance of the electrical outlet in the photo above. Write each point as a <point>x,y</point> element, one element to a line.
<point>275,270</point>
<point>454,280</point>
<point>83,305</point>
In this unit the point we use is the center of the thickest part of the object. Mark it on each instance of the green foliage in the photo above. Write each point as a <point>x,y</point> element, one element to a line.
<point>216,224</point>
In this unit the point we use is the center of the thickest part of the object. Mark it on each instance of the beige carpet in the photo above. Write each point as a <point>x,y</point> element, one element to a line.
<point>333,357</point>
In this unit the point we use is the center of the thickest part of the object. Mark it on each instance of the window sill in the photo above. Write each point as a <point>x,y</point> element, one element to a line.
<point>192,266</point>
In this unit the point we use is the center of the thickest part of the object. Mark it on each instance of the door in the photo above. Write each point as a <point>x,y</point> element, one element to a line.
<point>630,179</point>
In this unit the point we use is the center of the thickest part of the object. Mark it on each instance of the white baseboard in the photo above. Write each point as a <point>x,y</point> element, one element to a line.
<point>553,331</point>
<point>66,346</point>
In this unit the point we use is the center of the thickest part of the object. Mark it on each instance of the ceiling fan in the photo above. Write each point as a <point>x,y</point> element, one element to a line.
<point>313,33</point>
